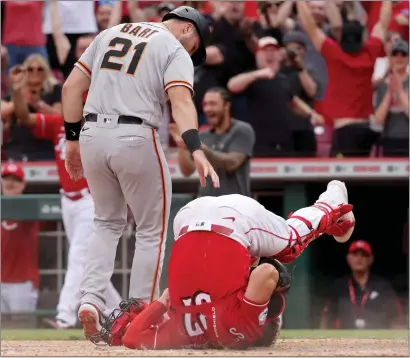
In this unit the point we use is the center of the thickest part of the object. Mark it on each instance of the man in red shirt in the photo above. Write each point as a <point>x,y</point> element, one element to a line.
<point>349,94</point>
<point>76,204</point>
<point>19,251</point>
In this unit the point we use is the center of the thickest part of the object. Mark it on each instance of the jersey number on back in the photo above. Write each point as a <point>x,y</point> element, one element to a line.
<point>119,54</point>
<point>195,328</point>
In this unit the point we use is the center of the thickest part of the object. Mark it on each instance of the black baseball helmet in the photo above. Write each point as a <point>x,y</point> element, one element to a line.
<point>198,20</point>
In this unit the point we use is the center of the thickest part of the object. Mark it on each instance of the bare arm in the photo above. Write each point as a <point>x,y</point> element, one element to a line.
<point>136,14</point>
<point>308,83</point>
<point>404,101</point>
<point>7,109</point>
<point>229,162</point>
<point>186,164</point>
<point>300,107</point>
<point>335,19</point>
<point>283,14</point>
<point>72,97</point>
<point>183,108</point>
<point>115,17</point>
<point>61,41</point>
<point>214,56</point>
<point>21,110</point>
<point>383,109</point>
<point>56,108</point>
<point>241,82</point>
<point>380,29</point>
<point>316,34</point>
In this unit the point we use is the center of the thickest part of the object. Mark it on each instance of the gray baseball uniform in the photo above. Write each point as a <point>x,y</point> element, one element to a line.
<point>131,66</point>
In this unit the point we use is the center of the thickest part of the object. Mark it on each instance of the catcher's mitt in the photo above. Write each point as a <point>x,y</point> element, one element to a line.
<point>285,277</point>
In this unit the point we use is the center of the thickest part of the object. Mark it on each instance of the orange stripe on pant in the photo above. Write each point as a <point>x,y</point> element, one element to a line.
<point>163,218</point>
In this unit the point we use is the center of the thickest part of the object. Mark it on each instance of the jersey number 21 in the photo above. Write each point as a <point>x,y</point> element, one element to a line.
<point>119,54</point>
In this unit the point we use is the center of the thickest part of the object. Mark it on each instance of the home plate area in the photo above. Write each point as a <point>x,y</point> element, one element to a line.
<point>284,347</point>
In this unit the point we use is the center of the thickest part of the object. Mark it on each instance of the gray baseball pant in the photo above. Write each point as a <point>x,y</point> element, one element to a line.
<point>125,164</point>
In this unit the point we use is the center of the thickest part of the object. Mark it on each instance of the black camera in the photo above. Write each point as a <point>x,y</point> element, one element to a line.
<point>292,54</point>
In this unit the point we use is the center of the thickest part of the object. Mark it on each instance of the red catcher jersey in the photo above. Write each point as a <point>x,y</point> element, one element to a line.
<point>51,127</point>
<point>19,252</point>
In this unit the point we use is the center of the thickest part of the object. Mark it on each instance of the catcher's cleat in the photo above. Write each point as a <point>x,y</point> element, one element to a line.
<point>344,226</point>
<point>91,319</point>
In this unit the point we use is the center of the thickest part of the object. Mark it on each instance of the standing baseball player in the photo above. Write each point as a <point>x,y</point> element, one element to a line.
<point>76,204</point>
<point>215,302</point>
<point>131,70</point>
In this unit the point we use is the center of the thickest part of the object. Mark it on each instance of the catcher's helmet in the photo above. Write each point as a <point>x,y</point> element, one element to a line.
<point>195,17</point>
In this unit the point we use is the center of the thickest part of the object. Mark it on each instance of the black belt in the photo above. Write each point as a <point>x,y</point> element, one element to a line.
<point>121,119</point>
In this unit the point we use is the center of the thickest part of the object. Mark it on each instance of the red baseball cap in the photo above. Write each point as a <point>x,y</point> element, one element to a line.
<point>12,169</point>
<point>360,245</point>
<point>267,41</point>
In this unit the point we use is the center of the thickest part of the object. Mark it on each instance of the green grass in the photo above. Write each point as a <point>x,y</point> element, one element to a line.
<point>74,334</point>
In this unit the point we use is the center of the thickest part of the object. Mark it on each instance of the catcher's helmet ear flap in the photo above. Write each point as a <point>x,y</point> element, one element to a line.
<point>195,17</point>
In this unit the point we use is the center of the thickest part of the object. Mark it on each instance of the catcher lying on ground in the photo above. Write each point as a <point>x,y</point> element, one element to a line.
<point>215,299</point>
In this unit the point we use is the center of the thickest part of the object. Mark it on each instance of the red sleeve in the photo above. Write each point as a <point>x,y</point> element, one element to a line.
<point>331,49</point>
<point>147,332</point>
<point>47,125</point>
<point>367,5</point>
<point>375,47</point>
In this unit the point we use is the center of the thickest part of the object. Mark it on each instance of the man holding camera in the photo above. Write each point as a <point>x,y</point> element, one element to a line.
<point>305,84</point>
<point>270,99</point>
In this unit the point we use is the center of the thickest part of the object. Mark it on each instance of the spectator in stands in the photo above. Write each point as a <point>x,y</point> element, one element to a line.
<point>361,300</point>
<point>323,13</point>
<point>305,84</point>
<point>205,77</point>
<point>269,96</point>
<point>22,30</point>
<point>232,48</point>
<point>103,14</point>
<point>348,99</point>
<point>399,21</point>
<point>392,103</point>
<point>274,19</point>
<point>227,144</point>
<point>43,94</point>
<point>41,79</point>
<point>19,252</point>
<point>163,9</point>
<point>382,65</point>
<point>77,19</point>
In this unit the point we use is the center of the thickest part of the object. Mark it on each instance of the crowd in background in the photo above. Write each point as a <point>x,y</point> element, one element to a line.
<point>281,79</point>
<point>315,78</point>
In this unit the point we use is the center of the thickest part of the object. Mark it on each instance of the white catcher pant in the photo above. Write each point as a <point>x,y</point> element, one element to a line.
<point>78,219</point>
<point>18,297</point>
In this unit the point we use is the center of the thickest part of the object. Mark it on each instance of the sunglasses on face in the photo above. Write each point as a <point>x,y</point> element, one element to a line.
<point>37,69</point>
<point>399,53</point>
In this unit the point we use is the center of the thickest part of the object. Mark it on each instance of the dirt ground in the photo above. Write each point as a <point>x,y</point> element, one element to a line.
<point>285,347</point>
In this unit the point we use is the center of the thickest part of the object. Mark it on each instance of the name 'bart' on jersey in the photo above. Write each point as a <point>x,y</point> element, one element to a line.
<point>131,66</point>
